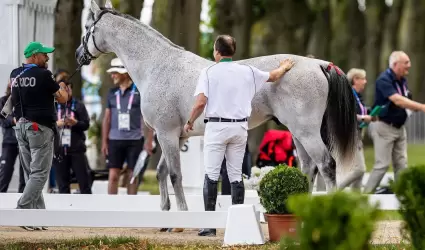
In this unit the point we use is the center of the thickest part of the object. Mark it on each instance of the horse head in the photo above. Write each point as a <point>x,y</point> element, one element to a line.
<point>92,43</point>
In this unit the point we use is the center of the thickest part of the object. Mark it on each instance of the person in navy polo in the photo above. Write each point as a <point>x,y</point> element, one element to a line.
<point>122,130</point>
<point>389,132</point>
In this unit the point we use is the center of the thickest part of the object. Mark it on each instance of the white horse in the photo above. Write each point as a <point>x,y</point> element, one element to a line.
<point>314,99</point>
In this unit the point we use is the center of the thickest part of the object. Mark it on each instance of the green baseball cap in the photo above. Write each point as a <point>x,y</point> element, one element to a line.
<point>36,47</point>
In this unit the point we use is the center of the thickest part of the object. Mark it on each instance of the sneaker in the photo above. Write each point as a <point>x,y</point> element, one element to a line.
<point>28,228</point>
<point>41,228</point>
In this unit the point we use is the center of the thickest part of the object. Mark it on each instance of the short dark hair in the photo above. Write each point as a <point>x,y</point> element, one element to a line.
<point>225,45</point>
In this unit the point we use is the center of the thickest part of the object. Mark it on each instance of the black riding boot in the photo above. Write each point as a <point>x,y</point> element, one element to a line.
<point>210,199</point>
<point>238,192</point>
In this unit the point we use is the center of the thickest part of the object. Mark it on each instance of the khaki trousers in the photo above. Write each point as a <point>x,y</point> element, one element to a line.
<point>390,144</point>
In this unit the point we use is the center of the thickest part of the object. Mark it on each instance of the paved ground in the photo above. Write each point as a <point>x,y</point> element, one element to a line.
<point>387,232</point>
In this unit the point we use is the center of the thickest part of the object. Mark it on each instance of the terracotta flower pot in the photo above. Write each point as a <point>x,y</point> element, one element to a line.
<point>281,225</point>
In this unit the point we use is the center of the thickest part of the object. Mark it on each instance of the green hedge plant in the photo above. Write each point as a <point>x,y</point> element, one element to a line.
<point>339,221</point>
<point>278,184</point>
<point>409,189</point>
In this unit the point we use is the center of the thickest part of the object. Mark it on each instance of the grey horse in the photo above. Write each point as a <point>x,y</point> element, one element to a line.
<point>314,99</point>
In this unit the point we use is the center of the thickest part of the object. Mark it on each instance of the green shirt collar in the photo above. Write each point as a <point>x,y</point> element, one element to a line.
<point>226,59</point>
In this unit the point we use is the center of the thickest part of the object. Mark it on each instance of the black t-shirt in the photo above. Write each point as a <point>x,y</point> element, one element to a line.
<point>36,87</point>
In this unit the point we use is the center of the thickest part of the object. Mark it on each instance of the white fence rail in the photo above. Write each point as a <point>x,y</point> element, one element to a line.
<point>241,222</point>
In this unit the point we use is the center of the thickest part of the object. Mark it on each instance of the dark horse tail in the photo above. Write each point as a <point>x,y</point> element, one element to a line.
<point>339,125</point>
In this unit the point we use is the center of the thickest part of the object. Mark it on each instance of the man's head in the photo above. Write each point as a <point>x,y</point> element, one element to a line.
<point>399,62</point>
<point>36,53</point>
<point>357,78</point>
<point>119,73</point>
<point>224,46</point>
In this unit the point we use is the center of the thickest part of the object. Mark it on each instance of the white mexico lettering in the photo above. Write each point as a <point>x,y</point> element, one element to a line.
<point>26,82</point>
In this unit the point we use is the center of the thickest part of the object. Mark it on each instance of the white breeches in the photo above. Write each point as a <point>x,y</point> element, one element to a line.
<point>225,139</point>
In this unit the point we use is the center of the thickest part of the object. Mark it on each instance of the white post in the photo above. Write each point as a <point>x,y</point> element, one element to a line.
<point>192,166</point>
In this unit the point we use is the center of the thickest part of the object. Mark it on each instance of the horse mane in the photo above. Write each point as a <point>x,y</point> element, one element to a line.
<point>142,25</point>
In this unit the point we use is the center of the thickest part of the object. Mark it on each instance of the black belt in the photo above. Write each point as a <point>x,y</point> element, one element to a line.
<point>219,119</point>
<point>392,124</point>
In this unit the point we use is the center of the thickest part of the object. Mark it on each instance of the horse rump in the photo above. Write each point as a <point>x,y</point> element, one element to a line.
<point>339,126</point>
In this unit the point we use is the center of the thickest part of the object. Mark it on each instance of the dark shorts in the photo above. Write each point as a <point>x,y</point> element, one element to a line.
<point>121,151</point>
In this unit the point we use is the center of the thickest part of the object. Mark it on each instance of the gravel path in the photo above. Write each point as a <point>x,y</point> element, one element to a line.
<point>387,232</point>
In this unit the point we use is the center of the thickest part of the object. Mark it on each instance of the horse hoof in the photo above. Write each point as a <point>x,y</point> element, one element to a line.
<point>163,229</point>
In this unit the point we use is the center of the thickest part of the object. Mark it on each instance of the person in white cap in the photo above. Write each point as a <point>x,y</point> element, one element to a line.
<point>122,129</point>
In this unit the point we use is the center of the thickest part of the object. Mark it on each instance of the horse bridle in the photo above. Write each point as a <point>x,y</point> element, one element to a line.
<point>87,56</point>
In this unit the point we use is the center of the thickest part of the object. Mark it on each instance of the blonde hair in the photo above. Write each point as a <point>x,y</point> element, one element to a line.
<point>354,72</point>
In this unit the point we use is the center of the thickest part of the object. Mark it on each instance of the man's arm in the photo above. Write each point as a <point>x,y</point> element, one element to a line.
<point>386,88</point>
<point>106,125</point>
<point>284,66</point>
<point>406,103</point>
<point>198,108</point>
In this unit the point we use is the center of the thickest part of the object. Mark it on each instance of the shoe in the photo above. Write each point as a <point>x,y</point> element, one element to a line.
<point>210,200</point>
<point>207,232</point>
<point>28,228</point>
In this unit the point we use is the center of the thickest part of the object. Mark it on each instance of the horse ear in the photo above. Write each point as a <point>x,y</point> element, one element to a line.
<point>108,4</point>
<point>94,7</point>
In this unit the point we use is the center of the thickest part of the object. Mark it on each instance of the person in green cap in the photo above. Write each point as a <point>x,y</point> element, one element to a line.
<point>34,91</point>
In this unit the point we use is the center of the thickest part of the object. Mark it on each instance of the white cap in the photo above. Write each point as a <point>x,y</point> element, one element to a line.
<point>117,66</point>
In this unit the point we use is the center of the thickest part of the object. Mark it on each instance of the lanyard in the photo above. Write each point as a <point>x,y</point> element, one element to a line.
<point>362,108</point>
<point>397,86</point>
<point>399,90</point>
<point>67,111</point>
<point>130,100</point>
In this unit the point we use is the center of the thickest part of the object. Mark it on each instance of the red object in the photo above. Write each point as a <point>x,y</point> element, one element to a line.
<point>338,70</point>
<point>34,126</point>
<point>276,147</point>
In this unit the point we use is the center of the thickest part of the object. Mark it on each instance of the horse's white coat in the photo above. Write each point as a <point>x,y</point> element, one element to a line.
<point>166,76</point>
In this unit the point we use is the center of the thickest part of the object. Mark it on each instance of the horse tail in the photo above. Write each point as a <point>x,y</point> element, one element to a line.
<point>339,125</point>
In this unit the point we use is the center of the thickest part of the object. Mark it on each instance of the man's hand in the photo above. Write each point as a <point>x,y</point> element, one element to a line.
<point>188,126</point>
<point>14,120</point>
<point>286,64</point>
<point>60,123</point>
<point>70,121</point>
<point>148,147</point>
<point>105,149</point>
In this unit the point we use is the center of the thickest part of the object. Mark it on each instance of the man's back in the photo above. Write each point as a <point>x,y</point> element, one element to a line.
<point>35,87</point>
<point>230,88</point>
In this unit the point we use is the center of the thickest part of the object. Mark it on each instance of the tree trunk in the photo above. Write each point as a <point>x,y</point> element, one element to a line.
<point>391,32</point>
<point>414,45</point>
<point>319,45</point>
<point>178,21</point>
<point>375,12</point>
<point>67,39</point>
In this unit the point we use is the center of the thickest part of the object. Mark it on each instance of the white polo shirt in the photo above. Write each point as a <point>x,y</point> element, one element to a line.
<point>230,88</point>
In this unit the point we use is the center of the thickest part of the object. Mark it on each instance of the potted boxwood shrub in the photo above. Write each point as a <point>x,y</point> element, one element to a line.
<point>274,190</point>
<point>409,189</point>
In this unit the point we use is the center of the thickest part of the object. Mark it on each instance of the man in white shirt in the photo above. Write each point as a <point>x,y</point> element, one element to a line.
<point>227,89</point>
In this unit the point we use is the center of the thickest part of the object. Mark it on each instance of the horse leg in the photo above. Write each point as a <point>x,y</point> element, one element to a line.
<point>310,138</point>
<point>178,187</point>
<point>308,167</point>
<point>171,152</point>
<point>161,176</point>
